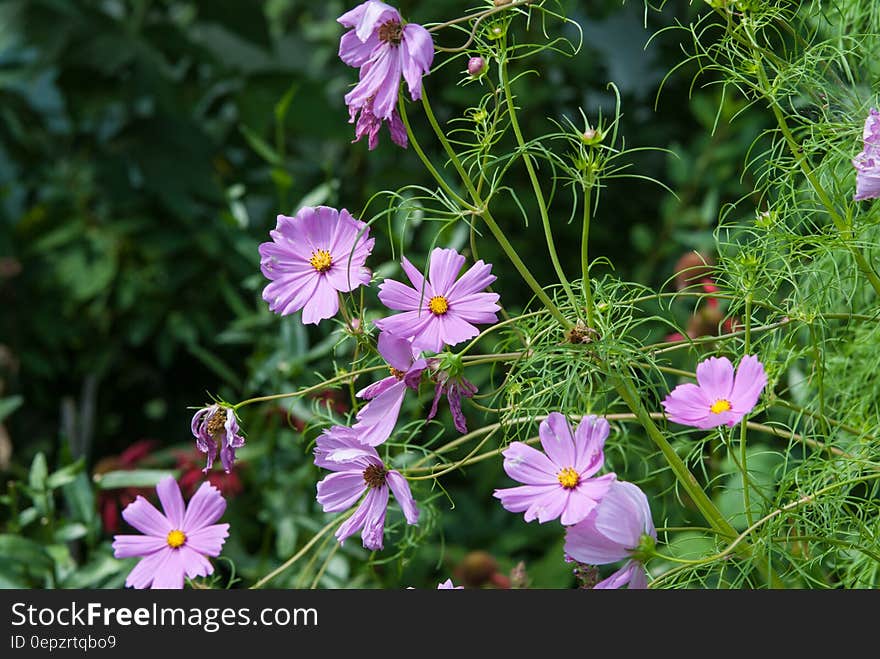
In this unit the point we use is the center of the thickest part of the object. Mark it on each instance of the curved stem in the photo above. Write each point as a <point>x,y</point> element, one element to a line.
<point>482,210</point>
<point>302,552</point>
<point>536,184</point>
<point>800,157</point>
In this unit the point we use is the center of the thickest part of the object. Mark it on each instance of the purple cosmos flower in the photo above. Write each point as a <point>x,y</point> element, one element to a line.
<point>440,311</point>
<point>614,531</point>
<point>312,256</point>
<point>216,425</point>
<point>384,49</point>
<point>558,484</point>
<point>720,397</point>
<point>377,419</point>
<point>452,384</point>
<point>176,543</point>
<point>357,469</point>
<point>447,585</point>
<point>867,163</point>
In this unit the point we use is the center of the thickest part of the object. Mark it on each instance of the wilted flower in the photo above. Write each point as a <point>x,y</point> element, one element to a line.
<point>384,49</point>
<point>176,543</point>
<point>216,425</point>
<point>867,163</point>
<point>440,311</point>
<point>558,484</point>
<point>451,383</point>
<point>619,528</point>
<point>377,419</point>
<point>369,124</point>
<point>357,469</point>
<point>718,398</point>
<point>313,255</point>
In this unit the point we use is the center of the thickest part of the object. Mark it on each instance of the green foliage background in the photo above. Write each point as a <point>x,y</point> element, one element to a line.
<point>145,150</point>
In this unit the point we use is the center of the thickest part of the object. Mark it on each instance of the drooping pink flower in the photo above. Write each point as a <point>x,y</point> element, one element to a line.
<point>451,383</point>
<point>357,469</point>
<point>176,543</point>
<point>615,530</point>
<point>558,483</point>
<point>867,163</point>
<point>384,49</point>
<point>312,256</point>
<point>439,311</point>
<point>376,420</point>
<point>718,398</point>
<point>369,124</point>
<point>214,426</point>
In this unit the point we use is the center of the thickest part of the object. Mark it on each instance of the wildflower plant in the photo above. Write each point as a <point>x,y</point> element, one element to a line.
<point>761,476</point>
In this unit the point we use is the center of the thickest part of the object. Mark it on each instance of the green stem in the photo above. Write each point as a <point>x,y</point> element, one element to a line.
<point>536,185</point>
<point>482,210</point>
<point>401,106</point>
<point>710,512</point>
<point>801,158</point>
<point>585,256</point>
<point>302,552</point>
<point>743,453</point>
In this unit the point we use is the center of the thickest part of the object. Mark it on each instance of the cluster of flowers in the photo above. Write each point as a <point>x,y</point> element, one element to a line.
<point>321,253</point>
<point>608,520</point>
<point>438,311</point>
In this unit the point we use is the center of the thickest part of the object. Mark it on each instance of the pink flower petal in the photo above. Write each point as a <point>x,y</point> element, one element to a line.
<point>528,465</point>
<point>341,490</point>
<point>376,420</point>
<point>715,377</point>
<point>748,384</point>
<point>145,518</point>
<point>208,540</point>
<point>444,267</point>
<point>557,440</point>
<point>205,507</point>
<point>404,496</point>
<point>126,546</point>
<point>589,442</point>
<point>172,501</point>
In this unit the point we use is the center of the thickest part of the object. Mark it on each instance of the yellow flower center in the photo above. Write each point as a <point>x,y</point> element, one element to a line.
<point>438,305</point>
<point>568,478</point>
<point>176,538</point>
<point>321,260</point>
<point>720,406</point>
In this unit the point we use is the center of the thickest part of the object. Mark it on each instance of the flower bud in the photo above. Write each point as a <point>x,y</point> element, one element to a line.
<point>476,66</point>
<point>592,136</point>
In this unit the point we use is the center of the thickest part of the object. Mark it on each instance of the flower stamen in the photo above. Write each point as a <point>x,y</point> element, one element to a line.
<point>217,422</point>
<point>719,406</point>
<point>438,305</point>
<point>568,478</point>
<point>176,538</point>
<point>321,260</point>
<point>391,32</point>
<point>374,476</point>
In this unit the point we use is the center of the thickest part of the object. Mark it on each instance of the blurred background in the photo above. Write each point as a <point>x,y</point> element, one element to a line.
<point>146,147</point>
